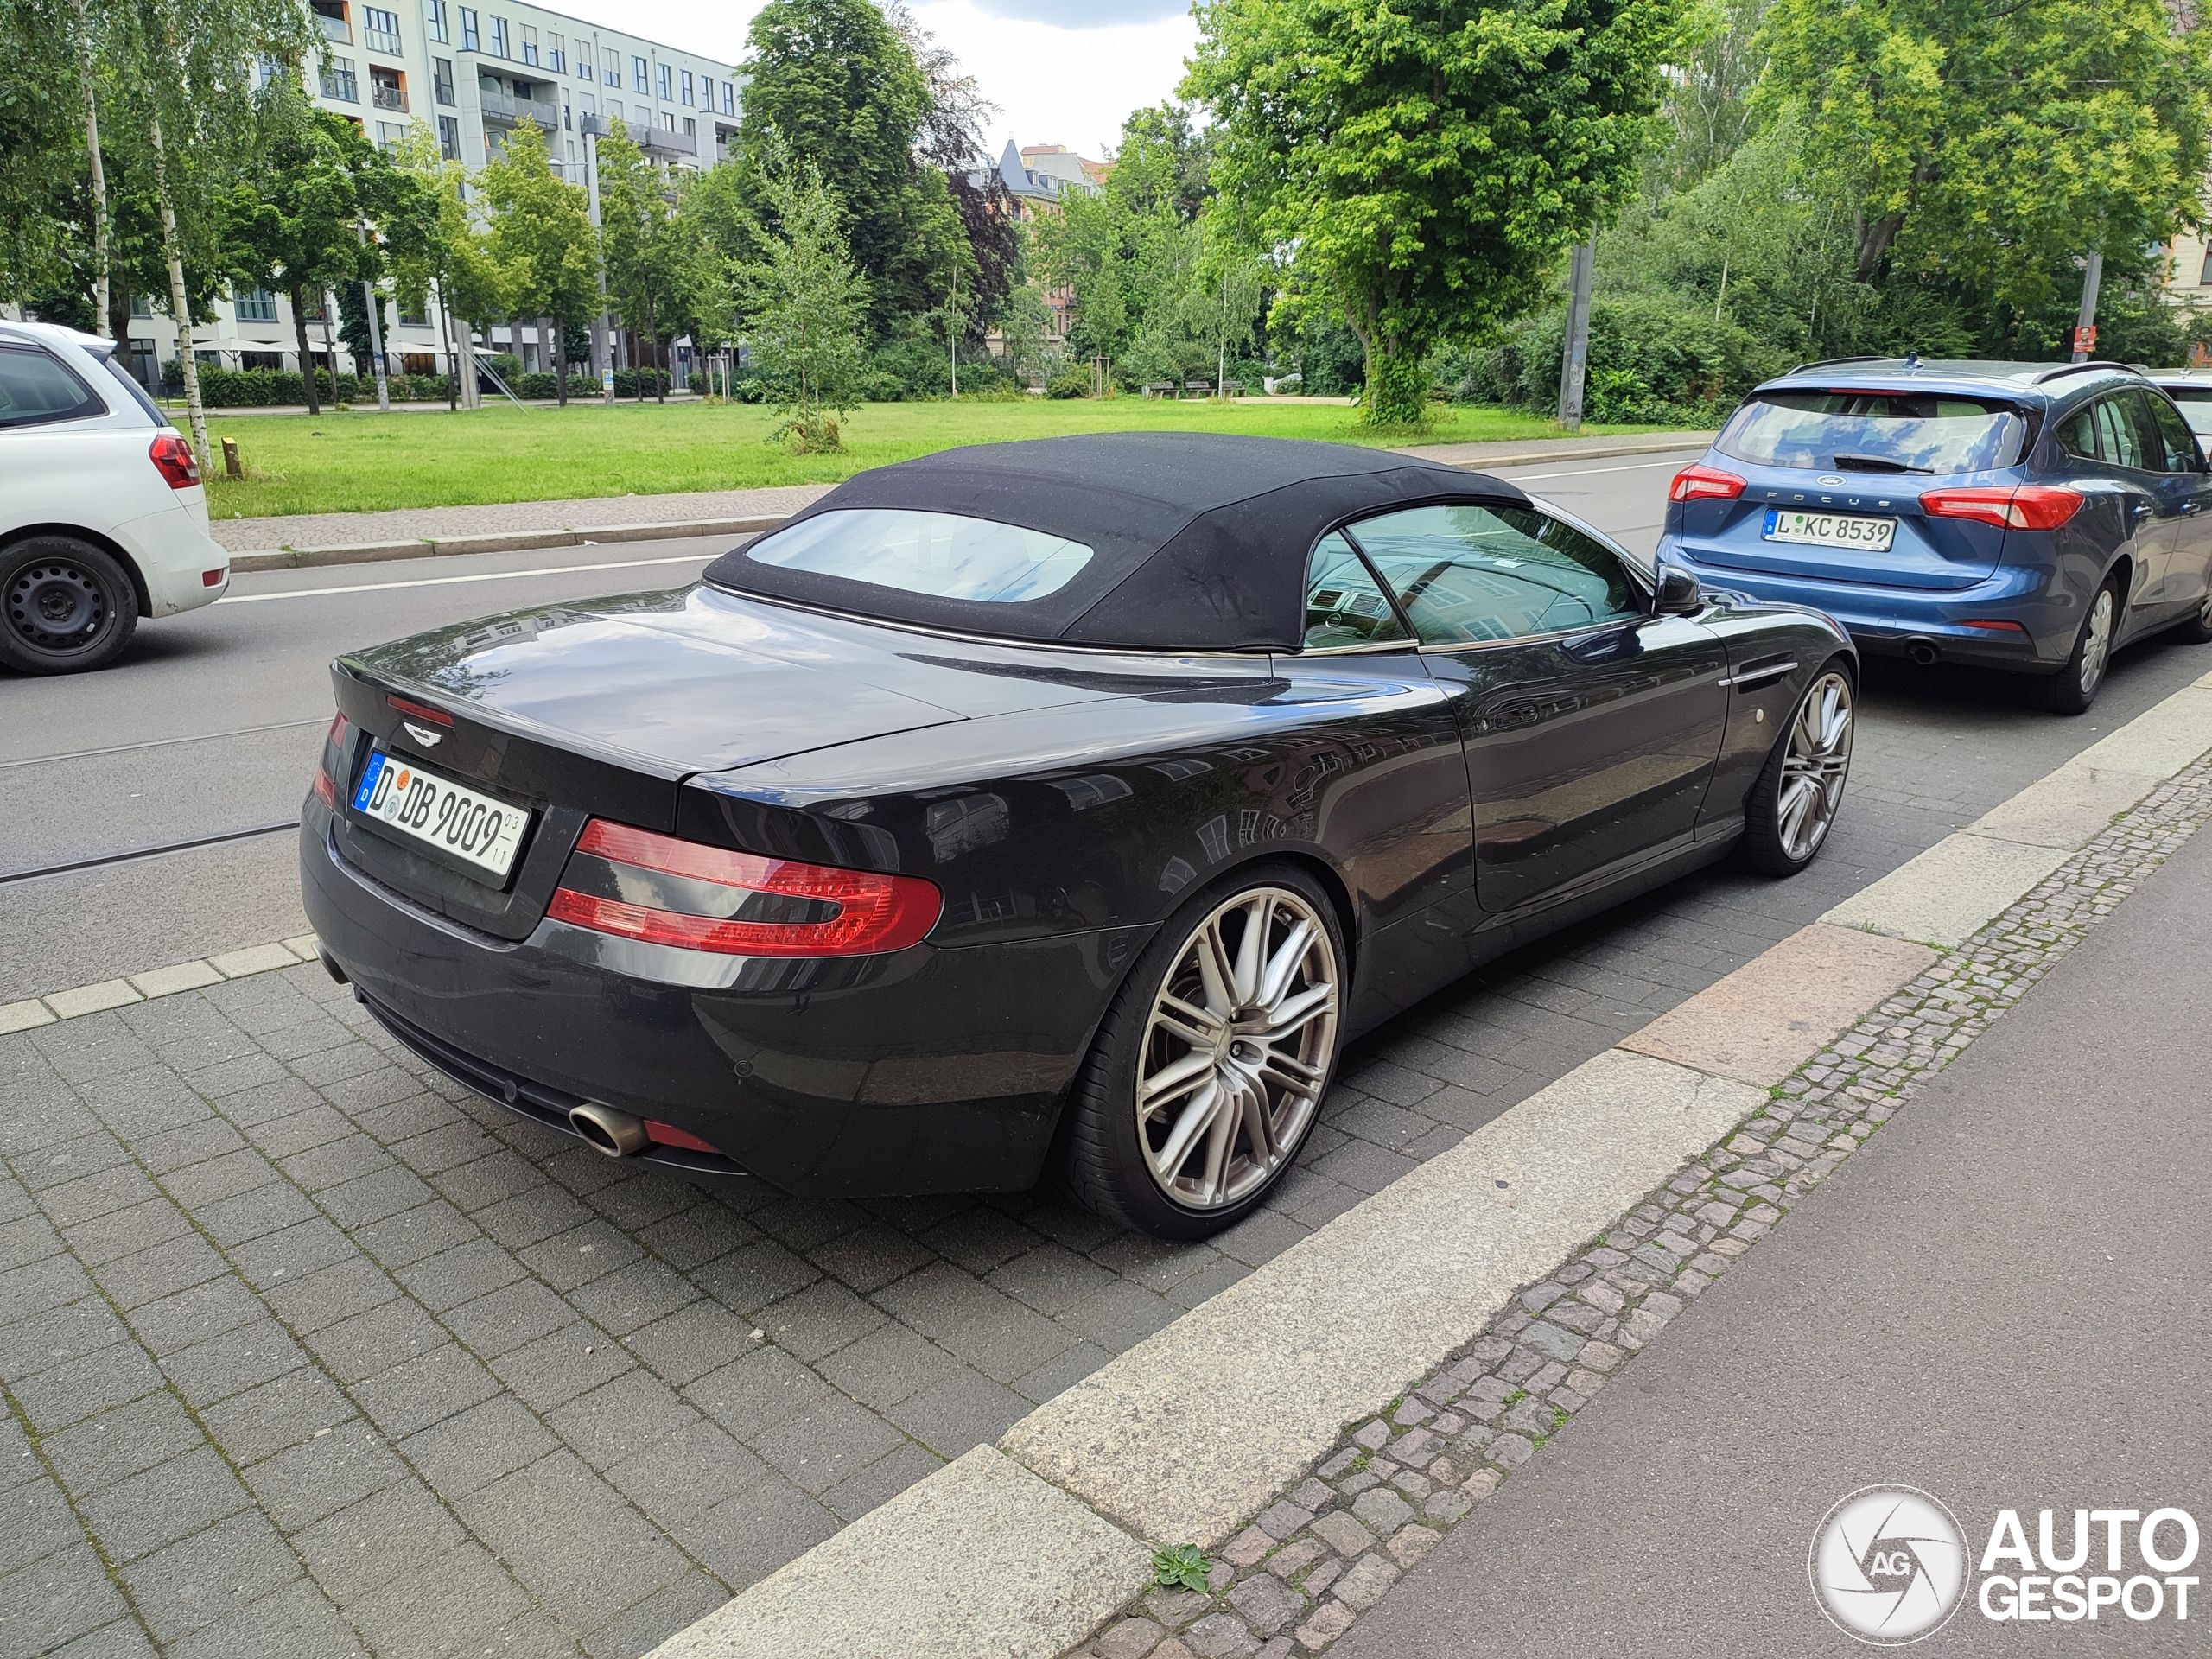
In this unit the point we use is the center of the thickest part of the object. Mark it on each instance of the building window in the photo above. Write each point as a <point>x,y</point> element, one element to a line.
<point>141,306</point>
<point>261,360</point>
<point>388,133</point>
<point>387,88</point>
<point>433,19</point>
<point>256,305</point>
<point>499,37</point>
<point>585,102</point>
<point>686,88</point>
<point>668,121</point>
<point>729,98</point>
<point>449,137</point>
<point>567,123</point>
<point>468,30</point>
<point>442,82</point>
<point>528,44</point>
<point>2204,277</point>
<point>613,75</point>
<point>339,83</point>
<point>644,118</point>
<point>557,55</point>
<point>667,91</point>
<point>380,30</point>
<point>584,71</point>
<point>690,128</point>
<point>638,74</point>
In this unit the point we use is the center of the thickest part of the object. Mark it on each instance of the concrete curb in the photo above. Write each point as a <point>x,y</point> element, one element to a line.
<point>80,1000</point>
<point>295,558</point>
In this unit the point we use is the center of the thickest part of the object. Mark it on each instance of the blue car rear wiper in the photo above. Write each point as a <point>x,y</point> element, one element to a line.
<point>1875,464</point>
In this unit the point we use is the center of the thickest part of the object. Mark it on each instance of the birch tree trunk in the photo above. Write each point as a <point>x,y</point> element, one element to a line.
<point>180,301</point>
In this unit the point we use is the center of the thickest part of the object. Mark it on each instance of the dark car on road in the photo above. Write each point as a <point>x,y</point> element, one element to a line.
<point>1062,805</point>
<point>2010,515</point>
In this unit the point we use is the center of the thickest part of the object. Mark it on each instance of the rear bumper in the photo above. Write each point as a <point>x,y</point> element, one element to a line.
<point>1890,621</point>
<point>174,553</point>
<point>925,1070</point>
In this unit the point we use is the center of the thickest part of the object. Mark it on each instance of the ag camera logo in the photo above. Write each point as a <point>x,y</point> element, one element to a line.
<point>1889,1565</point>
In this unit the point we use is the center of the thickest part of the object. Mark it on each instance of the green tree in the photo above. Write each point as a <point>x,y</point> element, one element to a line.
<point>291,229</point>
<point>190,71</point>
<point>1989,143</point>
<point>1430,160</point>
<point>541,235</point>
<point>835,82</point>
<point>642,242</point>
<point>1228,290</point>
<point>449,258</point>
<point>804,301</point>
<point>1124,253</point>
<point>42,147</point>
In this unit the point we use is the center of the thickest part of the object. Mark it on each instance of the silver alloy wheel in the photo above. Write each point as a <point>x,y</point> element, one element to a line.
<point>2096,647</point>
<point>1815,766</point>
<point>1238,1048</point>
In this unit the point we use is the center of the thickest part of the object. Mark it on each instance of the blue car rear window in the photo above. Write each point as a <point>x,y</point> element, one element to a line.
<point>1876,432</point>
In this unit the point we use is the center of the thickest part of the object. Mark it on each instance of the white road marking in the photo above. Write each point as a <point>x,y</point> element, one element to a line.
<point>447,582</point>
<point>1634,467</point>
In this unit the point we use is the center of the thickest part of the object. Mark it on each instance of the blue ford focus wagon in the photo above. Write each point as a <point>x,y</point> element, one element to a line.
<point>2018,515</point>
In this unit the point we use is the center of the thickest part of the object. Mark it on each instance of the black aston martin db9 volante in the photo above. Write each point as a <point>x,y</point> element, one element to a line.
<point>1054,806</point>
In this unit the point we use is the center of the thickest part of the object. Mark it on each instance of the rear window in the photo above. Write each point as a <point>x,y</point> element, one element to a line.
<point>1875,432</point>
<point>940,555</point>
<point>132,390</point>
<point>36,389</point>
<point>2195,407</point>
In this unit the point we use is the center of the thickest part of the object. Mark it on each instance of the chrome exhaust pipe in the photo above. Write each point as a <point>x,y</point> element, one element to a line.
<point>616,1133</point>
<point>1922,652</point>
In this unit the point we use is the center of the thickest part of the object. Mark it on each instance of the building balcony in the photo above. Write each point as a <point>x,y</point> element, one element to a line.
<point>335,29</point>
<point>510,111</point>
<point>658,141</point>
<point>385,97</point>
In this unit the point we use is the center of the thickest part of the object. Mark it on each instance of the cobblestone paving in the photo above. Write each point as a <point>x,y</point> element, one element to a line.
<point>1332,1545</point>
<point>305,1352</point>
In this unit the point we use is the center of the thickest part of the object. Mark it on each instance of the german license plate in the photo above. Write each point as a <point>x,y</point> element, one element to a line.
<point>1830,529</point>
<point>440,813</point>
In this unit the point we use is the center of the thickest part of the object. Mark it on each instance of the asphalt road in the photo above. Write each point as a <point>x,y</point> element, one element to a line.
<point>2001,1300</point>
<point>209,725</point>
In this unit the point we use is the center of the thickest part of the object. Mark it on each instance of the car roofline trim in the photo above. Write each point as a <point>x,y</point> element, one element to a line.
<point>1248,653</point>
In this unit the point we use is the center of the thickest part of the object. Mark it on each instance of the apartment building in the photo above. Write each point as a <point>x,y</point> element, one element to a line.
<point>470,75</point>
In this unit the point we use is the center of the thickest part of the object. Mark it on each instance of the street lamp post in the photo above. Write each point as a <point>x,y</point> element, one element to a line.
<point>1574,356</point>
<point>2085,324</point>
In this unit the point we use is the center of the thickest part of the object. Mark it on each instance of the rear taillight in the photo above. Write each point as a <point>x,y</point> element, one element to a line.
<point>2009,506</point>
<point>1701,483</point>
<point>735,904</point>
<point>172,459</point>
<point>334,754</point>
<point>419,710</point>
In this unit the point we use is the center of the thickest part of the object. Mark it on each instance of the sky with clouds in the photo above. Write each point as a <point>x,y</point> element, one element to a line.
<point>1061,71</point>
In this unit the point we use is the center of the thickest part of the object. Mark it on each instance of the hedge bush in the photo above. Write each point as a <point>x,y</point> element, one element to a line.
<point>265,388</point>
<point>1653,358</point>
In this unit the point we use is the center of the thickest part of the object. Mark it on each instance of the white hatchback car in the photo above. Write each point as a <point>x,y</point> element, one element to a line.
<point>103,518</point>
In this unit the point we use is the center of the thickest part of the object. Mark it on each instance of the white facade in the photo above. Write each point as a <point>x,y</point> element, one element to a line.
<point>470,75</point>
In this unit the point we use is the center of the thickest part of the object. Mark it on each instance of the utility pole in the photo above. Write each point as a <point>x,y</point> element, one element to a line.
<point>375,329</point>
<point>2085,324</point>
<point>602,348</point>
<point>1574,356</point>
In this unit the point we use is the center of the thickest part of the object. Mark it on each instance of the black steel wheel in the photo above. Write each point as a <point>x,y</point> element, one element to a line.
<point>1208,1072</point>
<point>64,606</point>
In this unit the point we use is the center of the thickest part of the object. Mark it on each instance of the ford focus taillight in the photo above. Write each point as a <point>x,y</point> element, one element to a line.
<point>172,459</point>
<point>1703,483</point>
<point>2009,506</point>
<point>637,884</point>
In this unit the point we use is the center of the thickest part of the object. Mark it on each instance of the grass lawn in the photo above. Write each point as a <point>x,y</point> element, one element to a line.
<point>356,462</point>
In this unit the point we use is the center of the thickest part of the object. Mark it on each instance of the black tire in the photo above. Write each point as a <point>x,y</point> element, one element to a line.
<point>2197,630</point>
<point>1101,1161</point>
<point>64,606</point>
<point>1767,846</point>
<point>2065,692</point>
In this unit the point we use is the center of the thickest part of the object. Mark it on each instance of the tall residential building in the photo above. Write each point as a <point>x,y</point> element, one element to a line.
<point>470,75</point>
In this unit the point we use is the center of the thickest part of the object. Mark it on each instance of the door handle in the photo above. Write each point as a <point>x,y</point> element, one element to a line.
<point>2192,508</point>
<point>2138,510</point>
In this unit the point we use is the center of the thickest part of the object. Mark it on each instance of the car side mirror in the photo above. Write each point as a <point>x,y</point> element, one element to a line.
<point>1679,594</point>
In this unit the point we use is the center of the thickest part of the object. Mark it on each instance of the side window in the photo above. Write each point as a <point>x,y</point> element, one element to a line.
<point>36,389</point>
<point>2077,433</point>
<point>1468,574</point>
<point>2176,446</point>
<point>2118,436</point>
<point>1343,606</point>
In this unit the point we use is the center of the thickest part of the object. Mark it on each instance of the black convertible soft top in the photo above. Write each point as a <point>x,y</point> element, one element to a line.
<point>1200,541</point>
